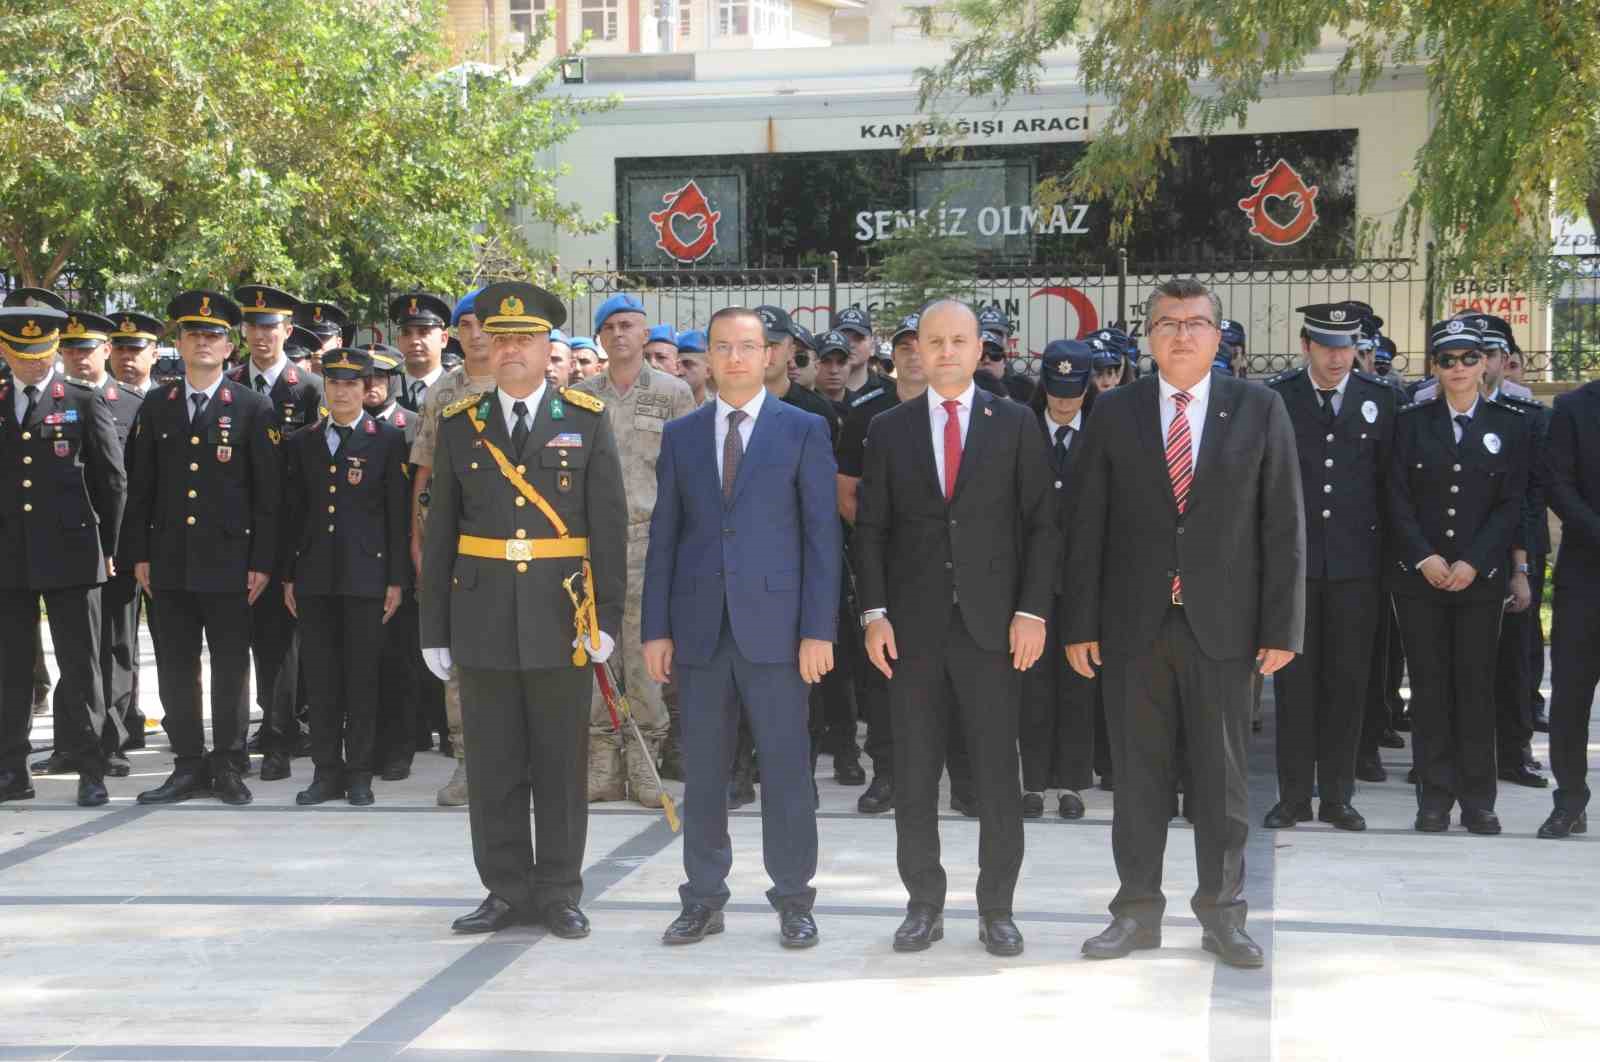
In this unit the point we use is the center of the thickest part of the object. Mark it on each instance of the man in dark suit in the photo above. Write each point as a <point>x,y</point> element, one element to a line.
<point>1199,474</point>
<point>1573,486</point>
<point>957,548</point>
<point>741,602</point>
<point>200,534</point>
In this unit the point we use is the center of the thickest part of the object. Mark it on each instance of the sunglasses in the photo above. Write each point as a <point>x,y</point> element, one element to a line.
<point>994,355</point>
<point>1447,361</point>
<point>801,359</point>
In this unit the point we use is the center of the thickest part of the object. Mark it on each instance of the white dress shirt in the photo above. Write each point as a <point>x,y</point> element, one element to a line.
<point>189,392</point>
<point>332,437</point>
<point>936,421</point>
<point>532,402</point>
<point>751,410</point>
<point>270,374</point>
<point>1199,399</point>
<point>426,381</point>
<point>1338,391</point>
<point>1076,424</point>
<point>20,397</point>
<point>1472,411</point>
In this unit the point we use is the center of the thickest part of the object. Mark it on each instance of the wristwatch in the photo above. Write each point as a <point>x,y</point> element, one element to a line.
<point>1522,569</point>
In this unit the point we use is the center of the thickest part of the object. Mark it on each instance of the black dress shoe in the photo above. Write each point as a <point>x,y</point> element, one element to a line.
<point>1520,775</point>
<point>1285,813</point>
<point>879,796</point>
<point>229,788</point>
<point>1429,821</point>
<point>965,803</point>
<point>695,923</point>
<point>359,791</point>
<point>1401,722</point>
<point>91,791</point>
<point>1107,782</point>
<point>254,744</point>
<point>1370,770</point>
<point>1122,937</point>
<point>923,927</point>
<point>847,770</point>
<point>396,771</point>
<point>1342,816</point>
<point>1483,823</point>
<point>797,929</point>
<point>15,787</point>
<point>1070,806</point>
<point>117,766</point>
<point>1541,721</point>
<point>1391,739</point>
<point>274,767</point>
<point>55,763</point>
<point>1411,777</point>
<point>1032,805</point>
<point>1233,946</point>
<point>492,914</point>
<point>1562,823</point>
<point>185,783</point>
<point>322,789</point>
<point>999,935</point>
<point>564,920</point>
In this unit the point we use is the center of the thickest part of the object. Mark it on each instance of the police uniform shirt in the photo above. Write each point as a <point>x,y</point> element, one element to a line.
<point>1073,427</point>
<point>851,449</point>
<point>810,401</point>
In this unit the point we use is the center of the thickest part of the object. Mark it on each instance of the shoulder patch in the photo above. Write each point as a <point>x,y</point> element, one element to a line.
<point>866,396</point>
<point>583,399</point>
<point>459,405</point>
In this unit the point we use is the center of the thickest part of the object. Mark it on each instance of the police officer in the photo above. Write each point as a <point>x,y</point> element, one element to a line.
<point>1456,486</point>
<point>1344,427</point>
<point>782,343</point>
<point>856,324</point>
<point>1233,348</point>
<point>526,490</point>
<point>638,401</point>
<point>422,320</point>
<point>1110,363</point>
<point>200,535</point>
<point>61,496</point>
<point>1016,385</point>
<point>296,397</point>
<point>344,569</point>
<point>991,365</point>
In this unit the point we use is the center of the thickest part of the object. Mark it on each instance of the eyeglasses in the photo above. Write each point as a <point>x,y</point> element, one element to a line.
<point>1166,328</point>
<point>1449,361</point>
<point>800,358</point>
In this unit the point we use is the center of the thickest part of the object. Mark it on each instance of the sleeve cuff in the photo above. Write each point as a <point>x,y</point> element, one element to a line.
<point>1031,616</point>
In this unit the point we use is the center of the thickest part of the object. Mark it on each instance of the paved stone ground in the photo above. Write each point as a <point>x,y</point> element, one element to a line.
<point>275,932</point>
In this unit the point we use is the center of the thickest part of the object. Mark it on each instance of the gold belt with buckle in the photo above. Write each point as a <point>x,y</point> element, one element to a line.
<point>521,549</point>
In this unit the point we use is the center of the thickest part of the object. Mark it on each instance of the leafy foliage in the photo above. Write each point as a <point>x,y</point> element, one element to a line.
<point>918,264</point>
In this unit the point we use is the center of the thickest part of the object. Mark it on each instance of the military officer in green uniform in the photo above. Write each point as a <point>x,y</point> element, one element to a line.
<point>526,491</point>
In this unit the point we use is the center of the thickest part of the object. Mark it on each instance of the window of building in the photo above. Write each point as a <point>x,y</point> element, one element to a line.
<point>685,19</point>
<point>600,19</point>
<point>525,14</point>
<point>764,18</point>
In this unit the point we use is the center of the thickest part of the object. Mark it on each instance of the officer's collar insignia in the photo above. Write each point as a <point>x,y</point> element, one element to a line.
<point>557,410</point>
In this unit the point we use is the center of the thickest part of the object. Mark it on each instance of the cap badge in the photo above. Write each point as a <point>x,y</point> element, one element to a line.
<point>1336,316</point>
<point>1454,326</point>
<point>31,329</point>
<point>75,327</point>
<point>127,325</point>
<point>261,299</point>
<point>316,313</point>
<point>205,306</point>
<point>413,307</point>
<point>510,306</point>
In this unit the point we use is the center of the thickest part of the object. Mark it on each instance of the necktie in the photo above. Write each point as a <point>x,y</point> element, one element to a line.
<point>1062,435</point>
<point>261,384</point>
<point>343,432</point>
<point>732,453</point>
<point>1180,468</point>
<point>414,393</point>
<point>1326,395</point>
<point>1462,420</point>
<point>32,394</point>
<point>519,431</point>
<point>199,400</point>
<point>952,447</point>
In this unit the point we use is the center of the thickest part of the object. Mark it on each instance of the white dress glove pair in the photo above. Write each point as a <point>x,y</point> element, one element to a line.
<point>439,662</point>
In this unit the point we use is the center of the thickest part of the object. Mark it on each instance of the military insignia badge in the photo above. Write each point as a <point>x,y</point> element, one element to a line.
<point>557,410</point>
<point>1491,442</point>
<point>63,448</point>
<point>274,436</point>
<point>353,475</point>
<point>224,454</point>
<point>564,482</point>
<point>510,306</point>
<point>1369,410</point>
<point>58,390</point>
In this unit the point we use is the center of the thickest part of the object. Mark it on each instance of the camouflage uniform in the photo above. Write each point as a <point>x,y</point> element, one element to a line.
<point>636,420</point>
<point>449,387</point>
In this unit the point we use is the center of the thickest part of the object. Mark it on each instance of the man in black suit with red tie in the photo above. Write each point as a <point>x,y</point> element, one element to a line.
<point>957,547</point>
<point>1198,473</point>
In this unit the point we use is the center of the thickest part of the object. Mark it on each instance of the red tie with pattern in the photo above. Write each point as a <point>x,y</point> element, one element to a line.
<point>1180,466</point>
<point>952,447</point>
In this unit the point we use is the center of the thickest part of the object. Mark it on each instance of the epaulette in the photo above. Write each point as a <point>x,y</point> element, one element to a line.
<point>459,405</point>
<point>1518,403</point>
<point>81,383</point>
<point>1420,403</point>
<point>583,400</point>
<point>866,396</point>
<point>1285,375</point>
<point>1515,405</point>
<point>1371,378</point>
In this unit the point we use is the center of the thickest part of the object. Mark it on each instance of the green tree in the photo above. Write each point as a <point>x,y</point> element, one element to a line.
<point>325,146</point>
<point>1516,132</point>
<point>918,263</point>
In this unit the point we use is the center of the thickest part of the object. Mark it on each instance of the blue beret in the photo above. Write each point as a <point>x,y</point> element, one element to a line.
<point>662,333</point>
<point>464,306</point>
<point>558,336</point>
<point>692,342</point>
<point>582,343</point>
<point>621,302</point>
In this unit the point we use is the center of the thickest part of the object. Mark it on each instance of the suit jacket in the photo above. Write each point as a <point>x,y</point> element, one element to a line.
<point>1343,466</point>
<point>1572,470</point>
<point>1066,492</point>
<point>1240,546</point>
<point>989,552</point>
<point>61,488</point>
<point>204,499</point>
<point>124,405</point>
<point>771,557</point>
<point>499,615</point>
<point>1463,502</point>
<point>296,396</point>
<point>347,517</point>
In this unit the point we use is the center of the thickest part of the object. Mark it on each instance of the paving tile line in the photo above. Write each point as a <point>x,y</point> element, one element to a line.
<point>82,831</point>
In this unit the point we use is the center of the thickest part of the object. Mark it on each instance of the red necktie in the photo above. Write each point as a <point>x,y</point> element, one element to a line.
<point>952,447</point>
<point>1180,466</point>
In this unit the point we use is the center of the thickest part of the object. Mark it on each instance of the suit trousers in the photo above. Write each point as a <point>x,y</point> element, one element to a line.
<point>1150,693</point>
<point>1322,692</point>
<point>179,618</point>
<point>1513,694</point>
<point>1376,716</point>
<point>119,661</point>
<point>1057,738</point>
<point>1450,651</point>
<point>775,698</point>
<point>1574,673</point>
<point>1535,629</point>
<point>275,647</point>
<point>342,646</point>
<point>948,686</point>
<point>534,743</point>
<point>80,706</point>
<point>400,687</point>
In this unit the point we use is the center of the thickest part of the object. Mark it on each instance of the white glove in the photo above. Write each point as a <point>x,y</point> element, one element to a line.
<point>602,654</point>
<point>439,662</point>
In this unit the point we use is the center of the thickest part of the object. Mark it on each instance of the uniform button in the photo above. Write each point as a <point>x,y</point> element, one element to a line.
<point>330,527</point>
<point>1180,530</point>
<point>521,533</point>
<point>1327,488</point>
<point>1058,484</point>
<point>332,508</point>
<point>561,453</point>
<point>522,470</point>
<point>333,488</point>
<point>27,460</point>
<point>1330,437</point>
<point>1449,532</point>
<point>1454,489</point>
<point>194,494</point>
<point>189,520</point>
<point>194,440</point>
<point>1419,464</point>
<point>563,464</point>
<point>1327,462</point>
<point>193,467</point>
<point>475,465</point>
<point>333,468</point>
<point>1455,468</point>
<point>521,502</point>
<point>522,566</point>
<point>27,483</point>
<point>1326,513</point>
<point>27,508</point>
<point>27,435</point>
<point>948,565</point>
<point>952,523</point>
<point>1449,512</point>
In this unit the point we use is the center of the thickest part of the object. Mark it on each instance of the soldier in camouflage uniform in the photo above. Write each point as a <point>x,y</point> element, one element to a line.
<point>474,376</point>
<point>639,401</point>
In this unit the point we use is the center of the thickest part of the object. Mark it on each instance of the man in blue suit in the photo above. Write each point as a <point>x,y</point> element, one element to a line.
<point>741,591</point>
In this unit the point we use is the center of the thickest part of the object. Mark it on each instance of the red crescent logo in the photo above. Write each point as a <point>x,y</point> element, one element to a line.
<point>690,204</point>
<point>1281,181</point>
<point>1088,316</point>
